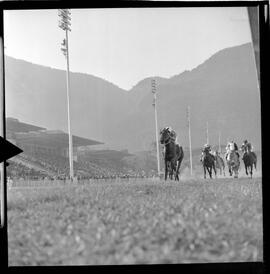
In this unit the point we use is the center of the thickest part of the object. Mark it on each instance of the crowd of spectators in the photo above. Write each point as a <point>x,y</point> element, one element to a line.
<point>84,169</point>
<point>20,171</point>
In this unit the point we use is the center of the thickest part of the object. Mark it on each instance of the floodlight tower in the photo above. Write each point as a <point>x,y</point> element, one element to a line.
<point>64,24</point>
<point>153,86</point>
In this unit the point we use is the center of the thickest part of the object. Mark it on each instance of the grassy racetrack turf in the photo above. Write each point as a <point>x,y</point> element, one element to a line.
<point>136,222</point>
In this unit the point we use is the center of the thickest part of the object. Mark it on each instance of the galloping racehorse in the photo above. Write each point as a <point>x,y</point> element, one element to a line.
<point>232,159</point>
<point>219,163</point>
<point>250,159</point>
<point>208,161</point>
<point>173,154</point>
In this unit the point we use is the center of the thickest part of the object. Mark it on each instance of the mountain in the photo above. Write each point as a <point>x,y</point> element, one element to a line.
<point>37,94</point>
<point>222,91</point>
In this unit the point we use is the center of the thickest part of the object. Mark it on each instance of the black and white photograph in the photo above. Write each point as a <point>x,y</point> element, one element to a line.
<point>140,131</point>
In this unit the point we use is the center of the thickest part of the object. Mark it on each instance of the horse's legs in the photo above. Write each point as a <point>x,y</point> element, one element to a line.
<point>177,171</point>
<point>251,170</point>
<point>246,167</point>
<point>171,170</point>
<point>214,168</point>
<point>210,171</point>
<point>204,169</point>
<point>166,170</point>
<point>230,170</point>
<point>235,173</point>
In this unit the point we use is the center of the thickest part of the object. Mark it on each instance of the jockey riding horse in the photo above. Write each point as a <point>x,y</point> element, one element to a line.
<point>249,157</point>
<point>173,152</point>
<point>232,146</point>
<point>246,147</point>
<point>232,157</point>
<point>208,160</point>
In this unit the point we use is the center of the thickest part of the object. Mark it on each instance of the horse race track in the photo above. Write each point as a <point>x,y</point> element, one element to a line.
<point>136,222</point>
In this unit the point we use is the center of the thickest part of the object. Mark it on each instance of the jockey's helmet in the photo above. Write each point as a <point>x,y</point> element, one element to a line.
<point>245,142</point>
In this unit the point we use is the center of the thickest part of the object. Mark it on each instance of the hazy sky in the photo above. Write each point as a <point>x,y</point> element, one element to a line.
<point>126,45</point>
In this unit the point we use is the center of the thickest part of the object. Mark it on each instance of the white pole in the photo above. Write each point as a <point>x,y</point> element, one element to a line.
<point>219,145</point>
<point>207,136</point>
<point>156,123</point>
<point>69,122</point>
<point>189,135</point>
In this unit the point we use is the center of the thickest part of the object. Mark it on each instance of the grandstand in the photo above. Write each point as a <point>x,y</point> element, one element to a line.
<point>35,140</point>
<point>44,151</point>
<point>45,155</point>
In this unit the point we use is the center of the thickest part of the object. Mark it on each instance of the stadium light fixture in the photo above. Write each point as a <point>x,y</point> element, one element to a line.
<point>64,24</point>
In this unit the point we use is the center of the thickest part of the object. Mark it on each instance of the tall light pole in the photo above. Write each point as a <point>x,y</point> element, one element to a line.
<point>154,91</point>
<point>219,145</point>
<point>65,24</point>
<point>189,137</point>
<point>207,135</point>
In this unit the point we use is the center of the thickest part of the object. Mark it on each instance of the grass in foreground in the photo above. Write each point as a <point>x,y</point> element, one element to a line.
<point>136,223</point>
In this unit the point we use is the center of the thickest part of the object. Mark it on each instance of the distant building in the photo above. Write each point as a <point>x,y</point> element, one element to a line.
<point>35,140</point>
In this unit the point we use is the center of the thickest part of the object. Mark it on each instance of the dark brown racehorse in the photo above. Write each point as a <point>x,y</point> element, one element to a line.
<point>208,161</point>
<point>250,159</point>
<point>173,154</point>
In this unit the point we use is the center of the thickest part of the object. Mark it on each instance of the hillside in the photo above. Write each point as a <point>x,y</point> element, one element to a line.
<point>223,91</point>
<point>37,94</point>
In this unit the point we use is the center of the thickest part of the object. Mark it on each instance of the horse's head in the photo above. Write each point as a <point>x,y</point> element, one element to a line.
<point>232,158</point>
<point>230,155</point>
<point>202,156</point>
<point>165,135</point>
